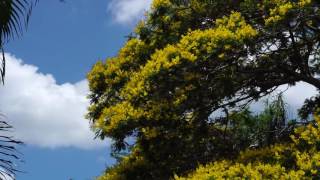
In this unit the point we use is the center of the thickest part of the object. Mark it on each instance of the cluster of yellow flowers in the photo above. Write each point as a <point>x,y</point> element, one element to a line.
<point>118,69</point>
<point>282,8</point>
<point>120,113</point>
<point>128,164</point>
<point>158,3</point>
<point>106,79</point>
<point>135,82</point>
<point>230,32</point>
<point>299,159</point>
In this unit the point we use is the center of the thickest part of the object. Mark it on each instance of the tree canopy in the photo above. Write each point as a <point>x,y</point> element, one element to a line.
<point>189,59</point>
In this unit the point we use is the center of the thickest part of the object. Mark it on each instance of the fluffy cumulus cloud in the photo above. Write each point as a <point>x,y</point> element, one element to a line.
<point>128,11</point>
<point>43,112</point>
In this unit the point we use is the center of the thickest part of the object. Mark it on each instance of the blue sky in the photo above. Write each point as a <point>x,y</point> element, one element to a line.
<point>45,92</point>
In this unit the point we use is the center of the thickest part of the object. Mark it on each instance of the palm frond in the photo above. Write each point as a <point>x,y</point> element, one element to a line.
<point>8,152</point>
<point>14,18</point>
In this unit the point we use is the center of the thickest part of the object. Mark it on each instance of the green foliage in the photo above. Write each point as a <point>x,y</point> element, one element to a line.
<point>310,105</point>
<point>191,58</point>
<point>298,159</point>
<point>268,127</point>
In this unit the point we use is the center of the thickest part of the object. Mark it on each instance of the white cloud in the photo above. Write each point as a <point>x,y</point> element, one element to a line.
<point>128,11</point>
<point>43,112</point>
<point>294,97</point>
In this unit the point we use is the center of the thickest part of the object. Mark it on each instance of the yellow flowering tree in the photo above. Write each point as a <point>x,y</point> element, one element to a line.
<point>188,59</point>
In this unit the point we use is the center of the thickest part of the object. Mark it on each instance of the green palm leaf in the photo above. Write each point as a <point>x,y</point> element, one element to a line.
<point>8,152</point>
<point>14,17</point>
